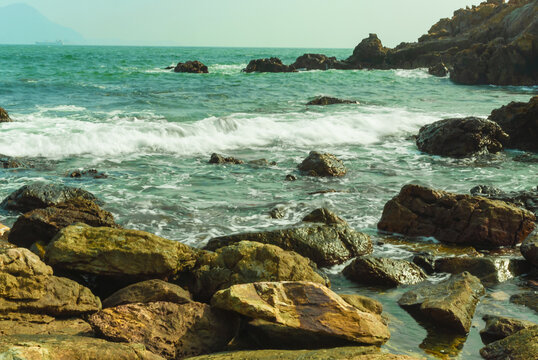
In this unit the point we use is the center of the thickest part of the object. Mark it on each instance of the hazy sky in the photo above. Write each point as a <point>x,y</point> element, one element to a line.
<point>276,23</point>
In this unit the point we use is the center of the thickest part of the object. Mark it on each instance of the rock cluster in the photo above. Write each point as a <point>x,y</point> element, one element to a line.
<point>194,67</point>
<point>268,65</point>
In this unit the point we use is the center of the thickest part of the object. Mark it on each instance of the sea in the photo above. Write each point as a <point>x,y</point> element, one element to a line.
<point>152,131</point>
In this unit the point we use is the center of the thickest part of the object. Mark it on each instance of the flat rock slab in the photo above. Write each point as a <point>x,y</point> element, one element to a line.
<point>148,291</point>
<point>520,346</point>
<point>383,271</point>
<point>499,327</point>
<point>31,324</point>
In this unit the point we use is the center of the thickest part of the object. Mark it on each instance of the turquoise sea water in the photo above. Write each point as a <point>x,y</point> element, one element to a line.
<point>152,131</point>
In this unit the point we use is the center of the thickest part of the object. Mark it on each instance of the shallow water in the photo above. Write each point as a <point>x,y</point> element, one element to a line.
<point>152,131</point>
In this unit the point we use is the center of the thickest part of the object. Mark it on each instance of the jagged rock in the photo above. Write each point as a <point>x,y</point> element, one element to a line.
<point>370,53</point>
<point>246,262</point>
<point>219,159</point>
<point>174,331</point>
<point>383,271</point>
<point>322,164</point>
<point>520,121</point>
<point>92,173</point>
<point>452,218</point>
<point>450,303</point>
<point>363,303</point>
<point>40,195</point>
<point>529,249</point>
<point>146,292</point>
<point>520,346</point>
<point>327,100</point>
<point>268,65</point>
<point>194,67</point>
<point>499,327</point>
<point>324,216</point>
<point>528,299</point>
<point>527,199</point>
<point>438,70</point>
<point>317,62</point>
<point>4,116</point>
<point>301,314</point>
<point>461,137</point>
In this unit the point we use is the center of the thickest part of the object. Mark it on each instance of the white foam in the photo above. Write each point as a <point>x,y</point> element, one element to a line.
<point>226,69</point>
<point>420,73</point>
<point>65,108</point>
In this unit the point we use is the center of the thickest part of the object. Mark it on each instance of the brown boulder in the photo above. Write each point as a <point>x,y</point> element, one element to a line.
<point>520,346</point>
<point>383,271</point>
<point>148,291</point>
<point>219,159</point>
<point>268,65</point>
<point>32,324</point>
<point>363,303</point>
<point>194,67</point>
<point>320,164</point>
<point>4,117</point>
<point>324,216</point>
<point>499,327</point>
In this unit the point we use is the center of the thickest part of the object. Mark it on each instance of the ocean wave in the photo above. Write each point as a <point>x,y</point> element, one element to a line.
<point>420,73</point>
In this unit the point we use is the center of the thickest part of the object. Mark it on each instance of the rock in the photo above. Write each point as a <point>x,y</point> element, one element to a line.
<point>529,158</point>
<point>3,230</point>
<point>41,225</point>
<point>219,159</point>
<point>326,245</point>
<point>319,164</point>
<point>499,327</point>
<point>91,173</point>
<point>268,65</point>
<point>461,137</point>
<point>520,121</point>
<point>45,347</point>
<point>291,177</point>
<point>31,324</point>
<point>324,216</point>
<point>425,261</point>
<point>262,162</point>
<point>40,195</point>
<point>527,199</point>
<point>146,292</point>
<point>363,303</point>
<point>327,100</point>
<point>174,331</point>
<point>383,271</point>
<point>247,262</point>
<point>452,218</point>
<point>118,253</point>
<point>438,70</point>
<point>194,67</point>
<point>8,162</point>
<point>317,62</point>
<point>4,116</point>
<point>277,213</point>
<point>429,248</point>
<point>528,299</point>
<point>301,314</point>
<point>520,346</point>
<point>529,249</point>
<point>370,53</point>
<point>449,304</point>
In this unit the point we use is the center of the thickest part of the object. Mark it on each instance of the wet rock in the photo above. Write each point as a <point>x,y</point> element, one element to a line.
<point>453,218</point>
<point>324,244</point>
<point>324,216</point>
<point>327,100</point>
<point>320,164</point>
<point>425,261</point>
<point>219,159</point>
<point>194,67</point>
<point>520,346</point>
<point>363,303</point>
<point>119,253</point>
<point>529,249</point>
<point>268,65</point>
<point>528,299</point>
<point>438,70</point>
<point>4,116</point>
<point>429,248</point>
<point>146,292</point>
<point>41,225</point>
<point>520,121</point>
<point>91,173</point>
<point>450,303</point>
<point>40,195</point>
<point>247,262</point>
<point>262,162</point>
<point>277,213</point>
<point>527,199</point>
<point>4,230</point>
<point>301,314</point>
<point>370,53</point>
<point>383,271</point>
<point>499,327</point>
<point>317,62</point>
<point>32,324</point>
<point>461,137</point>
<point>174,331</point>
<point>8,162</point>
<point>291,177</point>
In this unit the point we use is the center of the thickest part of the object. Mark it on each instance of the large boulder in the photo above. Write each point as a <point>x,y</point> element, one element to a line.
<point>317,62</point>
<point>327,100</point>
<point>383,271</point>
<point>146,292</point>
<point>461,137</point>
<point>499,327</point>
<point>529,249</point>
<point>194,67</point>
<point>520,346</point>
<point>41,225</point>
<point>174,331</point>
<point>268,65</point>
<point>370,53</point>
<point>301,314</point>
<point>520,121</point>
<point>322,164</point>
<point>118,253</point>
<point>40,195</point>
<point>449,304</point>
<point>453,218</point>
<point>4,116</point>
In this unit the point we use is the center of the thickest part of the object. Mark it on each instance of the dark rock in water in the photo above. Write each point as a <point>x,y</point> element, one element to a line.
<point>529,249</point>
<point>4,117</point>
<point>171,67</point>
<point>520,121</point>
<point>219,159</point>
<point>438,70</point>
<point>320,164</point>
<point>528,299</point>
<point>327,100</point>
<point>499,327</point>
<point>370,53</point>
<point>39,195</point>
<point>450,303</point>
<point>527,158</point>
<point>268,65</point>
<point>8,162</point>
<point>276,213</point>
<point>325,216</point>
<point>520,346</point>
<point>291,177</point>
<point>486,191</point>
<point>41,225</point>
<point>194,67</point>
<point>93,173</point>
<point>317,62</point>
<point>527,199</point>
<point>146,292</point>
<point>261,162</point>
<point>454,218</point>
<point>383,271</point>
<point>461,137</point>
<point>327,191</point>
<point>425,261</point>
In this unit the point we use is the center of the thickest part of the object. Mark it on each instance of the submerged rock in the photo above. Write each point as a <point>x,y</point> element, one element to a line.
<point>268,65</point>
<point>520,346</point>
<point>499,327</point>
<point>383,271</point>
<point>438,70</point>
<point>8,162</point>
<point>4,116</point>
<point>320,164</point>
<point>146,292</point>
<point>528,299</point>
<point>219,159</point>
<point>529,249</point>
<point>91,173</point>
<point>194,67</point>
<point>327,100</point>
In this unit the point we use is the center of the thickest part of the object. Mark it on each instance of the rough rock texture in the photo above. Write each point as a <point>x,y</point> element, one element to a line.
<point>519,346</point>
<point>439,70</point>
<point>247,262</point>
<point>39,195</point>
<point>528,299</point>
<point>449,304</point>
<point>90,173</point>
<point>41,225</point>
<point>499,327</point>
<point>4,117</point>
<point>33,324</point>
<point>219,159</point>
<point>317,62</point>
<point>302,314</point>
<point>324,216</point>
<point>120,253</point>
<point>461,137</point>
<point>268,65</point>
<point>148,291</point>
<point>529,249</point>
<point>171,330</point>
<point>194,67</point>
<point>527,199</point>
<point>327,100</point>
<point>370,53</point>
<point>320,164</point>
<point>452,218</point>
<point>8,162</point>
<point>61,347</point>
<point>520,121</point>
<point>383,271</point>
<point>324,244</point>
<point>363,303</point>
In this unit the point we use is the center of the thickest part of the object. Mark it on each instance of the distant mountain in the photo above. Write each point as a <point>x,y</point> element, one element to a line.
<point>22,24</point>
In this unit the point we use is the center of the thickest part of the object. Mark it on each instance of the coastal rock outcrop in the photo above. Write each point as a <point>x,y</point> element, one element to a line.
<point>439,70</point>
<point>499,327</point>
<point>146,292</point>
<point>322,164</point>
<point>317,62</point>
<point>268,65</point>
<point>529,249</point>
<point>461,137</point>
<point>383,271</point>
<point>327,100</point>
<point>520,346</point>
<point>4,116</point>
<point>454,218</point>
<point>370,53</point>
<point>194,67</point>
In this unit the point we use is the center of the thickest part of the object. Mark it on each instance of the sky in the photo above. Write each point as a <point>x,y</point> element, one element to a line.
<point>249,23</point>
